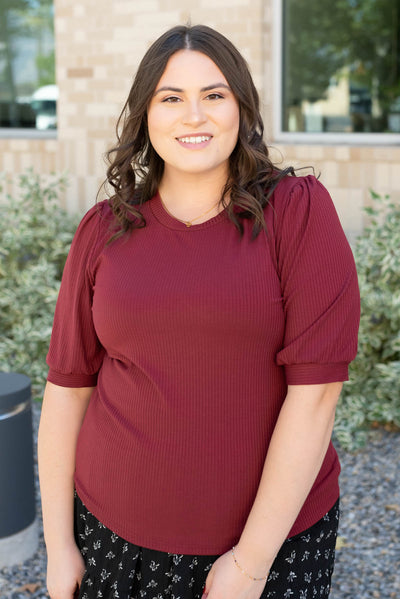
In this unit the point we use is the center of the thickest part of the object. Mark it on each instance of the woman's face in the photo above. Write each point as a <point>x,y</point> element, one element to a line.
<point>193,116</point>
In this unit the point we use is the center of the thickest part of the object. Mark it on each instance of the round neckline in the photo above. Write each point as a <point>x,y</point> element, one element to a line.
<point>166,219</point>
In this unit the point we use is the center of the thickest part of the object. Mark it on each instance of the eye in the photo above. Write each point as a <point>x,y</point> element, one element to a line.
<point>171,99</point>
<point>215,96</point>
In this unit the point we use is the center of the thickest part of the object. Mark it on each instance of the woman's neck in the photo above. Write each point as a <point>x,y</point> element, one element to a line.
<point>194,197</point>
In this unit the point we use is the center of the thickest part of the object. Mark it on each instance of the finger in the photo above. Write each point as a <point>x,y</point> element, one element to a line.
<point>207,586</point>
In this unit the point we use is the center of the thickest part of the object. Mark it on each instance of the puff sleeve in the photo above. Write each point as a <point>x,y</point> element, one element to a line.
<point>319,286</point>
<point>75,353</point>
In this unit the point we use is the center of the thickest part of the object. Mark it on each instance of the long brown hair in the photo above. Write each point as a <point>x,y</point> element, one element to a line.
<point>135,169</point>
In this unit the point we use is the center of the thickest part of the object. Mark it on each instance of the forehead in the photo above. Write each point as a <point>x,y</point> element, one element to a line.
<point>190,68</point>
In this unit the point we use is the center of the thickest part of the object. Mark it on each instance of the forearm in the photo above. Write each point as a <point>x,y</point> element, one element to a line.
<point>295,455</point>
<point>63,411</point>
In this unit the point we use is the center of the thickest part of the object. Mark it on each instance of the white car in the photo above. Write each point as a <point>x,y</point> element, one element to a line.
<point>44,104</point>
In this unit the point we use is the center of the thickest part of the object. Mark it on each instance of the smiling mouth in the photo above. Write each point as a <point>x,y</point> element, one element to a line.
<point>194,140</point>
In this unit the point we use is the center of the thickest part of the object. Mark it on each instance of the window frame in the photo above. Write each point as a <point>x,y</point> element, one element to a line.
<point>27,133</point>
<point>290,137</point>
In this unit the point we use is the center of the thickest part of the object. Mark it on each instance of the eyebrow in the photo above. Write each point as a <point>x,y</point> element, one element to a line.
<point>203,89</point>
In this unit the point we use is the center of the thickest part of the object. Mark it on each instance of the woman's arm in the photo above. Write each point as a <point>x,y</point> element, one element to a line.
<point>62,415</point>
<point>295,455</point>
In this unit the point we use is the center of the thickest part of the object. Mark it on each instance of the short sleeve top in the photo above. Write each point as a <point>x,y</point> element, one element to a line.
<point>191,337</point>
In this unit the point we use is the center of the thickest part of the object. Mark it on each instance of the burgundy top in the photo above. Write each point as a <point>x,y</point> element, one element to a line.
<point>191,336</point>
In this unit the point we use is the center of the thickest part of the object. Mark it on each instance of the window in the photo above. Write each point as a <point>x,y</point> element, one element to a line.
<point>28,94</point>
<point>340,67</point>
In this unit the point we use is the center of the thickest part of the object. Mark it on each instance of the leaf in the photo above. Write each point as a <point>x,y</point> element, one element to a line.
<point>341,543</point>
<point>35,235</point>
<point>372,396</point>
<point>31,587</point>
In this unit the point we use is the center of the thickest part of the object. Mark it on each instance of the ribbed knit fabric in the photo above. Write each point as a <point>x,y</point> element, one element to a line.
<point>191,336</point>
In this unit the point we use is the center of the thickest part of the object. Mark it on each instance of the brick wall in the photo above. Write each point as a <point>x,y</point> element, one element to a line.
<point>98,46</point>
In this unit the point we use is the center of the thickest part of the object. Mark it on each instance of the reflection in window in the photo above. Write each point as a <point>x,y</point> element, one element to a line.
<point>341,66</point>
<point>28,94</point>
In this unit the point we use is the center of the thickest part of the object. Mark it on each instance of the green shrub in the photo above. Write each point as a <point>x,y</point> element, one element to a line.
<point>35,236</point>
<point>372,396</point>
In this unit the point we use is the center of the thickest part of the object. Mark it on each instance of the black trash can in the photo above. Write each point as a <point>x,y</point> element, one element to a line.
<point>18,525</point>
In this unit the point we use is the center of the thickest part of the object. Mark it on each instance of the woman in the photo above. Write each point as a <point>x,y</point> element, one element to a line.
<point>206,318</point>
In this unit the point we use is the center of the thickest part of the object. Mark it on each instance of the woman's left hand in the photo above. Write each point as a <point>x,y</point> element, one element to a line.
<point>226,581</point>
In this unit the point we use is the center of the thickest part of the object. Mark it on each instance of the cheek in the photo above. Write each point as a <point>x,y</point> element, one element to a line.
<point>155,129</point>
<point>160,125</point>
<point>153,122</point>
<point>232,120</point>
<point>233,126</point>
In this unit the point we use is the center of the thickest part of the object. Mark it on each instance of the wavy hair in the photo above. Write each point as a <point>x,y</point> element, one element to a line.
<point>135,169</point>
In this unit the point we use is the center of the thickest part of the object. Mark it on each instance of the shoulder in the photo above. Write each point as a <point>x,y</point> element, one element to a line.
<point>95,225</point>
<point>91,236</point>
<point>98,217</point>
<point>297,199</point>
<point>298,188</point>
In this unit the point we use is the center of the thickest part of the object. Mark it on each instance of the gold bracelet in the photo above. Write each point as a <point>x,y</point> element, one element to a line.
<point>244,571</point>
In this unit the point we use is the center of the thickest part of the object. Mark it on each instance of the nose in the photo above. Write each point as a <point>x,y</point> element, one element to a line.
<point>194,114</point>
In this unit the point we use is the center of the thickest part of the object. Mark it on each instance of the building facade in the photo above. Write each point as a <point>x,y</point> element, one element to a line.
<point>98,47</point>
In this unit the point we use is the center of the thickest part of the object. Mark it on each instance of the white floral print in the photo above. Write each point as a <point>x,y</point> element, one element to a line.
<point>117,569</point>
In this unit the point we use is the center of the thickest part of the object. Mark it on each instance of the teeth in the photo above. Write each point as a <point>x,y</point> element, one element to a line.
<point>194,140</point>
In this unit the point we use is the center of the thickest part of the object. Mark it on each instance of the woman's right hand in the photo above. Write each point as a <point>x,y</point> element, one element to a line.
<point>65,570</point>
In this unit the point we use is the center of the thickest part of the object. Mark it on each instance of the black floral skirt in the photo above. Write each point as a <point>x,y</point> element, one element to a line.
<point>118,569</point>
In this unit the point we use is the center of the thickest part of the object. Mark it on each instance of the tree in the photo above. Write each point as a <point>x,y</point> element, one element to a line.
<point>7,29</point>
<point>324,39</point>
<point>24,19</point>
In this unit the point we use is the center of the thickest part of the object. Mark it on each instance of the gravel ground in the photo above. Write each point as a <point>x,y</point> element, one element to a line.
<point>368,556</point>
